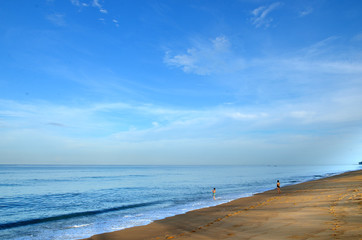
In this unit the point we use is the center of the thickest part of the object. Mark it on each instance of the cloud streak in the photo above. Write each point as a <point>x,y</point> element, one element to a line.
<point>273,129</point>
<point>306,12</point>
<point>216,57</point>
<point>261,14</point>
<point>57,19</point>
<point>205,58</point>
<point>337,110</point>
<point>94,3</point>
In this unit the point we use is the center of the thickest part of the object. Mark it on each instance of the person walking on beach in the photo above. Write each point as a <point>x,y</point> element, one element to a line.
<point>214,193</point>
<point>278,186</point>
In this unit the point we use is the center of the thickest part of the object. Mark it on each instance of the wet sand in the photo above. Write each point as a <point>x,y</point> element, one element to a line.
<point>329,208</point>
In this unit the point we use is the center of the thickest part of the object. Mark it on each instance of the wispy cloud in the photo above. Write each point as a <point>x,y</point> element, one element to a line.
<point>110,128</point>
<point>312,71</point>
<point>261,15</point>
<point>338,109</point>
<point>306,12</point>
<point>75,2</point>
<point>96,4</point>
<point>357,37</point>
<point>320,47</point>
<point>115,21</point>
<point>93,3</point>
<point>204,58</point>
<point>79,3</point>
<point>325,56</point>
<point>99,6</point>
<point>57,19</point>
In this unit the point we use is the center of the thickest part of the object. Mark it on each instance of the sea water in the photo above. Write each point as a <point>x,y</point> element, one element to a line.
<point>74,202</point>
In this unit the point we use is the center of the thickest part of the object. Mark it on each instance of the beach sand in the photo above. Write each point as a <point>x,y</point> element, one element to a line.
<point>329,208</point>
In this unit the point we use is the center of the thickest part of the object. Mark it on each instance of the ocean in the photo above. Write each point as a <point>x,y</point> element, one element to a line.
<point>74,202</point>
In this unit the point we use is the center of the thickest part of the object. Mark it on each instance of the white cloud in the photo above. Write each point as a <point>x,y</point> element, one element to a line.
<point>258,10</point>
<point>309,67</point>
<point>115,21</point>
<point>96,4</point>
<point>323,57</point>
<point>320,47</point>
<point>339,109</point>
<point>260,15</point>
<point>79,3</point>
<point>301,114</point>
<point>57,19</point>
<point>305,12</point>
<point>242,116</point>
<point>75,2</point>
<point>214,56</point>
<point>104,126</point>
<point>358,37</point>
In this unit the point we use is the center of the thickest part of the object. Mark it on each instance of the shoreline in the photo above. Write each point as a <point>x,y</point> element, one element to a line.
<point>332,204</point>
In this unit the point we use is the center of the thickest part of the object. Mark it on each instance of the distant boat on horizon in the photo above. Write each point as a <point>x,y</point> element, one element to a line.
<point>360,163</point>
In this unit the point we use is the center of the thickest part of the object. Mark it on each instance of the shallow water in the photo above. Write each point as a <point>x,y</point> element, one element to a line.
<point>72,202</point>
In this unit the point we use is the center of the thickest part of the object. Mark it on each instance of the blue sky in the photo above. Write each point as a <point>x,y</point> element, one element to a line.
<point>180,82</point>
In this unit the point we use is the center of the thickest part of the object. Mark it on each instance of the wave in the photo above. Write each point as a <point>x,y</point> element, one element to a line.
<point>75,215</point>
<point>9,184</point>
<point>79,226</point>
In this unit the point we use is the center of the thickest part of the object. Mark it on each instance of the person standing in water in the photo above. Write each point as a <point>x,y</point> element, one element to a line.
<point>214,193</point>
<point>278,186</point>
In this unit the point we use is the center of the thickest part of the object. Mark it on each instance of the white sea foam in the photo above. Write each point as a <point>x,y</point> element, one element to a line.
<point>80,226</point>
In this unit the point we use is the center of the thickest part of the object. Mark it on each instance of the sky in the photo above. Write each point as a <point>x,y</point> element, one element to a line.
<point>180,82</point>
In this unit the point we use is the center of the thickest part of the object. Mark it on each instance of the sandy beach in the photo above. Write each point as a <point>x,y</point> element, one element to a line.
<point>329,208</point>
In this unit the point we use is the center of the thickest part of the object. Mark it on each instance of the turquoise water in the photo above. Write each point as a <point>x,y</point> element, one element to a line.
<point>73,202</point>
